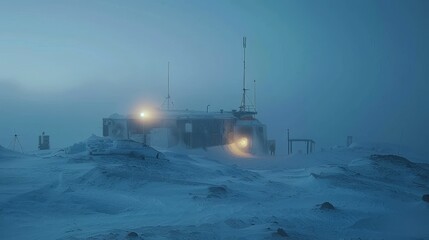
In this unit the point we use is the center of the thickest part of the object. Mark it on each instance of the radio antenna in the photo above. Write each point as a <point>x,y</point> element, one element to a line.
<point>168,87</point>
<point>14,141</point>
<point>243,101</point>
<point>254,94</point>
<point>168,98</point>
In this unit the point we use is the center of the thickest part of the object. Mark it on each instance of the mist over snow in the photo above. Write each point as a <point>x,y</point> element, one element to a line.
<point>360,192</point>
<point>325,70</point>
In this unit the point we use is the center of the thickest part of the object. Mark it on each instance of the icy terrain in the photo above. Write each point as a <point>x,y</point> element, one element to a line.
<point>212,195</point>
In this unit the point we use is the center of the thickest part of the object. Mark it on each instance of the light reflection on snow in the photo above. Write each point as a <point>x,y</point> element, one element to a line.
<point>236,150</point>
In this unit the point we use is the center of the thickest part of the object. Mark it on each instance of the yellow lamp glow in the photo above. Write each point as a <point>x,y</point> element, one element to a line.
<point>239,147</point>
<point>243,142</point>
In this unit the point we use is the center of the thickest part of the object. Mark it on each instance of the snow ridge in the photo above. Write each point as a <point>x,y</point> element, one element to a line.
<point>202,196</point>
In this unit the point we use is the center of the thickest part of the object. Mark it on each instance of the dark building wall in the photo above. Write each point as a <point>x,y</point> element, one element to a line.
<point>44,142</point>
<point>205,132</point>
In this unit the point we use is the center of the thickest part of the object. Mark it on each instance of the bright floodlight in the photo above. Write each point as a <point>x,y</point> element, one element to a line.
<point>243,142</point>
<point>240,147</point>
<point>142,114</point>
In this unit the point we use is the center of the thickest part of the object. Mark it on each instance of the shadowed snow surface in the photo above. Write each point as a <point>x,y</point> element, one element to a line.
<point>211,195</point>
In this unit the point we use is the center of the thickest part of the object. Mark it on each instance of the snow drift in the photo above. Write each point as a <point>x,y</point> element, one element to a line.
<point>202,195</point>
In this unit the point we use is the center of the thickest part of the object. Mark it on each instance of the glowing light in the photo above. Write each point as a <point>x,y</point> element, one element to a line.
<point>243,142</point>
<point>237,151</point>
<point>240,147</point>
<point>147,115</point>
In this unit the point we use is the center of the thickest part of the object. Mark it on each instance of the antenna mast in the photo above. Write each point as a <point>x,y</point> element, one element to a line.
<point>243,101</point>
<point>168,87</point>
<point>14,141</point>
<point>254,94</point>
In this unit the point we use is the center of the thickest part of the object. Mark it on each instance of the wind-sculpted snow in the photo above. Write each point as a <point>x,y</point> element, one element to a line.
<point>7,154</point>
<point>195,196</point>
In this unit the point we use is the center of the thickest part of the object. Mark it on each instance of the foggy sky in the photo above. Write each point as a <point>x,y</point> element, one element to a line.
<point>324,69</point>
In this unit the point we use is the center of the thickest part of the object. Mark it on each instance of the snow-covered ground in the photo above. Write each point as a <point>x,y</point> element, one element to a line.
<point>213,195</point>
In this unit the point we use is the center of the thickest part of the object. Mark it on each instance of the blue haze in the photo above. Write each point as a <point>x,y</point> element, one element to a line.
<point>324,69</point>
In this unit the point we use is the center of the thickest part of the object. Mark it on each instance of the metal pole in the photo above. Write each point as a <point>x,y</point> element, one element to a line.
<point>288,142</point>
<point>17,140</point>
<point>307,146</point>
<point>168,87</point>
<point>254,94</point>
<point>243,106</point>
<point>208,107</point>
